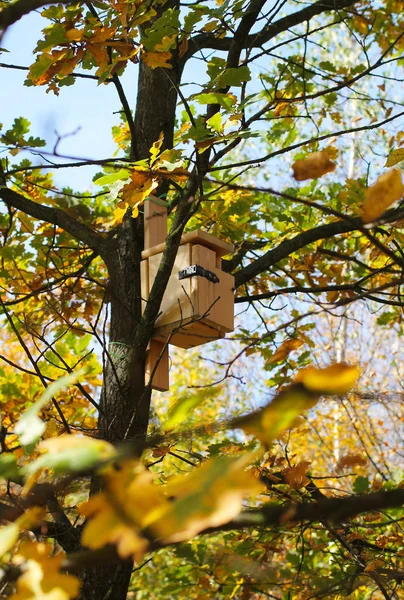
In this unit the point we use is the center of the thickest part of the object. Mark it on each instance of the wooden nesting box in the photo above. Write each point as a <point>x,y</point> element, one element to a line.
<point>198,304</point>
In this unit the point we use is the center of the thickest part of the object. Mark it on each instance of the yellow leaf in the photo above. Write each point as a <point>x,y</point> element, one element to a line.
<point>139,188</point>
<point>373,565</point>
<point>118,514</point>
<point>395,157</point>
<point>166,43</point>
<point>283,411</point>
<point>296,476</point>
<point>8,538</point>
<point>361,24</point>
<point>313,166</point>
<point>387,189</point>
<point>67,442</point>
<point>107,525</point>
<point>74,35</point>
<point>207,497</point>
<point>157,59</point>
<point>131,502</point>
<point>67,66</point>
<point>119,213</point>
<point>351,459</point>
<point>280,414</point>
<point>42,579</point>
<point>285,349</point>
<point>332,296</point>
<point>335,379</point>
<point>156,148</point>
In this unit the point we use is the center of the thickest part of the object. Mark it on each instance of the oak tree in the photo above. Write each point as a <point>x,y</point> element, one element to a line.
<point>277,127</point>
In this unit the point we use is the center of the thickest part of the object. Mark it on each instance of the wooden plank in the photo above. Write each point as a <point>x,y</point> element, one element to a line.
<point>189,336</point>
<point>155,222</point>
<point>144,282</point>
<point>196,237</point>
<point>157,366</point>
<point>155,232</point>
<point>204,292</point>
<point>177,303</point>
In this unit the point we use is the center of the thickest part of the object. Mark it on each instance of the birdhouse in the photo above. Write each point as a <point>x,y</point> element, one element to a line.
<point>198,304</point>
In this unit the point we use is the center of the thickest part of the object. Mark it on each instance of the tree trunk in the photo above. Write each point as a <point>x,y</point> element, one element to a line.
<point>125,401</point>
<point>106,582</point>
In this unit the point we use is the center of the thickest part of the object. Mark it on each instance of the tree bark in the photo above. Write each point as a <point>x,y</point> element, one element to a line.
<point>125,401</point>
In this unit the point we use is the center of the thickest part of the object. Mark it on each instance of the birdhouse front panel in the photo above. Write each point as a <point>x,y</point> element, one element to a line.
<point>198,304</point>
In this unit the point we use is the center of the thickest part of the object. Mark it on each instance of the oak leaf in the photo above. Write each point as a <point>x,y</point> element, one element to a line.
<point>285,349</point>
<point>42,578</point>
<point>373,565</point>
<point>283,411</point>
<point>388,189</point>
<point>157,59</point>
<point>352,459</point>
<point>335,379</point>
<point>314,165</point>
<point>118,514</point>
<point>395,157</point>
<point>296,476</point>
<point>207,497</point>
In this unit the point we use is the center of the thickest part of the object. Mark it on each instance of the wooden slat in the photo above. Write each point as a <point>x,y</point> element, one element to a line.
<point>196,237</point>
<point>155,222</point>
<point>157,354</point>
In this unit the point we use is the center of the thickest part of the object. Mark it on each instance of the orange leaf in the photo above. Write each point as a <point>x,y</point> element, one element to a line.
<point>387,189</point>
<point>157,59</point>
<point>373,565</point>
<point>296,476</point>
<point>313,166</point>
<point>335,379</point>
<point>285,349</point>
<point>74,35</point>
<point>351,460</point>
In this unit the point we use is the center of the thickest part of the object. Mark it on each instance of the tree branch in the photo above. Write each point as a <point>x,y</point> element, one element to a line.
<point>301,240</point>
<point>203,41</point>
<point>14,12</point>
<point>330,509</point>
<point>55,216</point>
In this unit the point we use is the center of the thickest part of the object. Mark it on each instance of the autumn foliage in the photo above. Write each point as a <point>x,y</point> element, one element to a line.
<point>272,468</point>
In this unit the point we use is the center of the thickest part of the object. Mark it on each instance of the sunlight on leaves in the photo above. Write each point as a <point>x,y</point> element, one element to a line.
<point>184,405</point>
<point>42,578</point>
<point>207,497</point>
<point>338,378</point>
<point>388,189</point>
<point>71,453</point>
<point>282,412</point>
<point>314,165</point>
<point>30,427</point>
<point>285,349</point>
<point>157,59</point>
<point>395,157</point>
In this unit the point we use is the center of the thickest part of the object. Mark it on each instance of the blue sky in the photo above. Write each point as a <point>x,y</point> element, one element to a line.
<point>84,105</point>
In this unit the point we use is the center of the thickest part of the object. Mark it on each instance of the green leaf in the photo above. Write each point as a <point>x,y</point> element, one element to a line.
<point>181,409</point>
<point>227,101</point>
<point>30,427</point>
<point>215,122</point>
<point>8,537</point>
<point>234,77</point>
<point>8,466</point>
<point>71,453</point>
<point>120,175</point>
<point>361,485</point>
